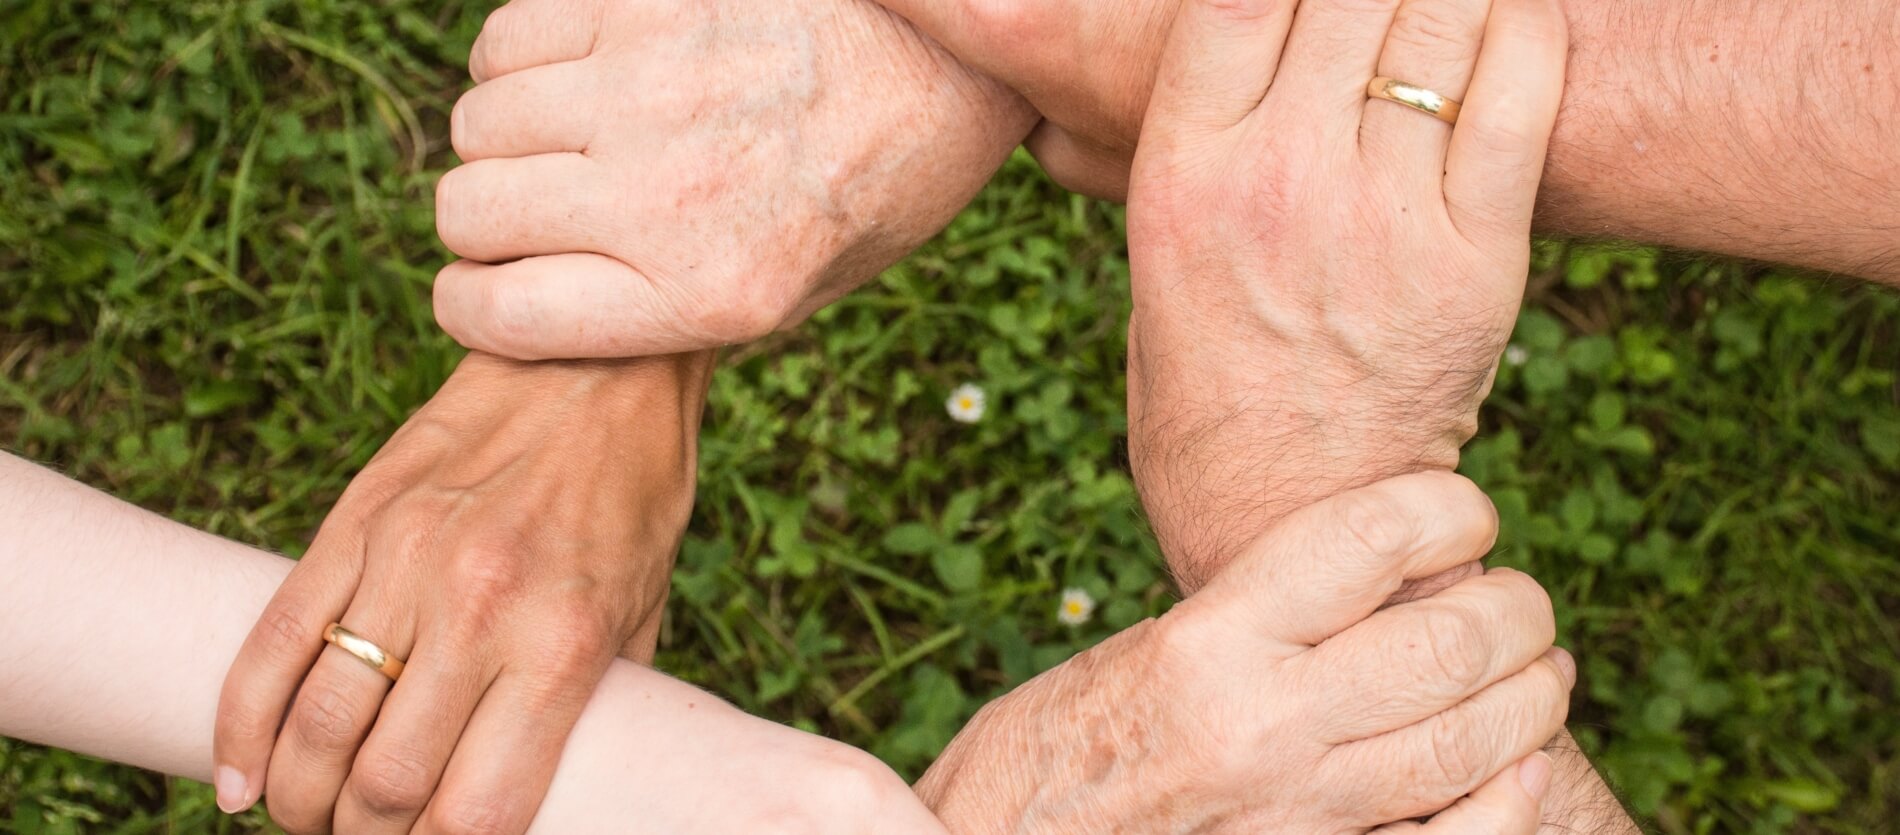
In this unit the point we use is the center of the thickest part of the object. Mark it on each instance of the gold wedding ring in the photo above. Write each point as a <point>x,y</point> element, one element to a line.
<point>1415,97</point>
<point>364,650</point>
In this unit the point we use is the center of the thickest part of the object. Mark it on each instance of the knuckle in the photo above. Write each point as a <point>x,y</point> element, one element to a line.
<point>1532,599</point>
<point>578,648</point>
<point>1506,144</point>
<point>1456,762</point>
<point>1545,27</point>
<point>1457,650</point>
<point>484,574</point>
<point>284,632</point>
<point>324,718</point>
<point>508,317</point>
<point>392,785</point>
<point>1432,26</point>
<point>1377,522</point>
<point>471,816</point>
<point>497,29</point>
<point>1473,508</point>
<point>294,819</point>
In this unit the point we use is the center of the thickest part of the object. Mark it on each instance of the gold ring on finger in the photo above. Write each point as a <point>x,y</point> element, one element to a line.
<point>364,649</point>
<point>1415,97</point>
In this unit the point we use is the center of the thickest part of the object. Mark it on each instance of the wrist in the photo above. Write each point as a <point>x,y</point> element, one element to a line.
<point>995,777</point>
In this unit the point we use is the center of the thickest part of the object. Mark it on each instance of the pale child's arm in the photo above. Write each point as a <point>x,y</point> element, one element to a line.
<point>117,626</point>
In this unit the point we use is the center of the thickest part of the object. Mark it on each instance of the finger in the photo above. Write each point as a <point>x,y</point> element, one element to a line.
<point>581,306</point>
<point>1508,804</point>
<point>503,209</point>
<point>1217,66</point>
<point>276,656</point>
<point>1082,167</point>
<point>1424,587</point>
<point>1332,53</point>
<point>1433,44</point>
<point>331,717</point>
<point>506,758</point>
<point>539,110</point>
<point>1327,566</point>
<point>1407,663</point>
<point>530,33</point>
<point>1435,762</point>
<point>421,720</point>
<point>1497,151</point>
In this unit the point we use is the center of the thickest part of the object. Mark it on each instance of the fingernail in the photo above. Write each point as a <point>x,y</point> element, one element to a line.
<point>1534,773</point>
<point>458,125</point>
<point>231,790</point>
<point>1565,664</point>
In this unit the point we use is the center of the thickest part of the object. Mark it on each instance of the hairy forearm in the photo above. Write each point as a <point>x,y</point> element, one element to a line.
<point>120,625</point>
<point>1755,128</point>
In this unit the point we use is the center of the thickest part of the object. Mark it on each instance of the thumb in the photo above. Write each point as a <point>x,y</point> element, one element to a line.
<point>1510,803</point>
<point>1219,61</point>
<point>574,306</point>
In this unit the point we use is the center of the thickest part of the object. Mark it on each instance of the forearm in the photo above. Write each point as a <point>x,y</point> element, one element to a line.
<point>1753,128</point>
<point>643,417</point>
<point>119,626</point>
<point>1757,128</point>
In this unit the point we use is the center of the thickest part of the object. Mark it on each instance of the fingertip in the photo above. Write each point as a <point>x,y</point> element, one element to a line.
<point>1565,663</point>
<point>233,790</point>
<point>449,300</point>
<point>1533,775</point>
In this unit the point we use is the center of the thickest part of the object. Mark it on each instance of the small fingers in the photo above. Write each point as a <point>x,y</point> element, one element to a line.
<point>530,33</point>
<point>502,209</point>
<point>1327,566</point>
<point>275,657</point>
<point>539,110</point>
<point>1435,762</point>
<point>1498,149</point>
<point>1409,662</point>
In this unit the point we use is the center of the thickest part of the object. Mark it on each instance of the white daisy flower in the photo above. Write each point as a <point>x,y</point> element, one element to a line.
<point>1077,606</point>
<point>966,403</point>
<point>1516,355</point>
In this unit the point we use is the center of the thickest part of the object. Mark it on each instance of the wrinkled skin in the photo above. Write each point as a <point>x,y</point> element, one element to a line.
<point>665,176</point>
<point>1280,698</point>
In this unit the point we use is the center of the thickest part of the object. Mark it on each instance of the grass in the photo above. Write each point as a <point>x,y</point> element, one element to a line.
<point>215,245</point>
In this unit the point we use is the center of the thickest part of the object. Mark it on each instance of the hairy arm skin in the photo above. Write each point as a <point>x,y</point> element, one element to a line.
<point>1761,129</point>
<point>1755,128</point>
<point>118,626</point>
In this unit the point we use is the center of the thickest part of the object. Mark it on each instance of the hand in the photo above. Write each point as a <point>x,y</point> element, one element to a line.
<point>662,177</point>
<point>1323,283</point>
<point>511,539</point>
<point>1087,65</point>
<point>1279,698</point>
